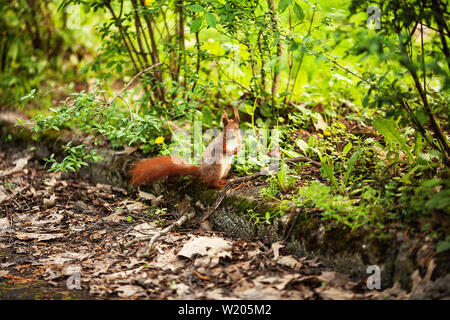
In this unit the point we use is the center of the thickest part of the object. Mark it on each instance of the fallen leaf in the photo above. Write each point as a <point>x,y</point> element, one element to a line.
<point>167,261</point>
<point>115,217</point>
<point>128,291</point>
<point>61,258</point>
<point>38,236</point>
<point>126,150</point>
<point>4,225</point>
<point>290,262</point>
<point>419,284</point>
<point>182,290</point>
<point>264,293</point>
<point>103,186</point>
<point>278,282</point>
<point>19,165</point>
<point>336,278</point>
<point>320,124</point>
<point>333,293</point>
<point>157,201</point>
<point>55,177</point>
<point>50,201</point>
<point>146,196</point>
<point>211,249</point>
<point>136,206</point>
<point>3,195</point>
<point>144,230</point>
<point>276,246</point>
<point>206,246</point>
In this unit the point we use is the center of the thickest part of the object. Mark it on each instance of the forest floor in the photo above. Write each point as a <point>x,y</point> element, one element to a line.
<point>60,238</point>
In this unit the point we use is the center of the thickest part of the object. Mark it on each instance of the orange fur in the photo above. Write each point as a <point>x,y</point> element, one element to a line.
<point>216,161</point>
<point>158,168</point>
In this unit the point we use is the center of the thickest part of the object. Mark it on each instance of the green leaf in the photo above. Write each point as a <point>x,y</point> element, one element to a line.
<point>298,11</point>
<point>391,134</point>
<point>328,172</point>
<point>311,141</point>
<point>211,19</point>
<point>196,8</point>
<point>61,5</point>
<point>303,146</point>
<point>196,25</point>
<point>283,4</point>
<point>29,96</point>
<point>440,200</point>
<point>291,153</point>
<point>443,245</point>
<point>207,116</point>
<point>365,101</point>
<point>351,163</point>
<point>347,148</point>
<point>418,143</point>
<point>249,109</point>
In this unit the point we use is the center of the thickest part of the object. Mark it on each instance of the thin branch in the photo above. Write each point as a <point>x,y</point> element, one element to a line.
<point>154,55</point>
<point>290,56</point>
<point>185,218</point>
<point>423,59</point>
<point>261,56</point>
<point>189,215</point>
<point>232,80</point>
<point>180,9</point>
<point>197,67</point>
<point>442,26</point>
<point>303,53</point>
<point>134,78</point>
<point>139,31</point>
<point>276,76</point>
<point>124,37</point>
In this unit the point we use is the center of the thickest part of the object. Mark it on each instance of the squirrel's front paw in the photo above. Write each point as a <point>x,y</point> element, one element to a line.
<point>220,184</point>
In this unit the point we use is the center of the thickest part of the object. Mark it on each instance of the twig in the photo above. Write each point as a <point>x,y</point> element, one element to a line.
<point>276,69</point>
<point>130,243</point>
<point>303,54</point>
<point>119,95</point>
<point>291,226</point>
<point>232,80</point>
<point>262,172</point>
<point>189,215</point>
<point>134,78</point>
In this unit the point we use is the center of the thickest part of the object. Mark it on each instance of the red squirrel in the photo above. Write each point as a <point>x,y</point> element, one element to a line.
<point>216,160</point>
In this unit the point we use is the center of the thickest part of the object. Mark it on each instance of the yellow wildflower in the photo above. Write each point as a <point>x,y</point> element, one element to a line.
<point>149,2</point>
<point>159,140</point>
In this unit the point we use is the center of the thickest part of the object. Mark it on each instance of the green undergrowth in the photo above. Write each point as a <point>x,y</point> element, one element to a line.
<point>369,103</point>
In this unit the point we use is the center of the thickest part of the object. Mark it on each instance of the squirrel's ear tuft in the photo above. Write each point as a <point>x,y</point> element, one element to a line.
<point>236,114</point>
<point>225,120</point>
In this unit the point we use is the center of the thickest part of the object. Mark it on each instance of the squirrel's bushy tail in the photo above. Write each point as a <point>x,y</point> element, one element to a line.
<point>158,168</point>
